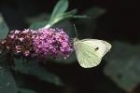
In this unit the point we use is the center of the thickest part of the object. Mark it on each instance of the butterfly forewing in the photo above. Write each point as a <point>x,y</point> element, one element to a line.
<point>101,47</point>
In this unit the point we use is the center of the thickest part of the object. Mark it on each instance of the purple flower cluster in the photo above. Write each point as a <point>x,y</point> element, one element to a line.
<point>46,43</point>
<point>52,43</point>
<point>19,42</point>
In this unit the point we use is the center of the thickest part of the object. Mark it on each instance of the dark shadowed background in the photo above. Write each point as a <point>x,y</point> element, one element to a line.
<point>118,23</point>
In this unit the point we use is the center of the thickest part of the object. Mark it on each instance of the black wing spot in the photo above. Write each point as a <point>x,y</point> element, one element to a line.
<point>97,48</point>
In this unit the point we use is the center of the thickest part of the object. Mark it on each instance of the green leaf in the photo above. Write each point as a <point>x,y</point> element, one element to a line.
<point>7,82</point>
<point>67,15</point>
<point>34,69</point>
<point>59,9</point>
<point>123,65</point>
<point>23,90</point>
<point>58,19</point>
<point>3,28</point>
<point>70,14</point>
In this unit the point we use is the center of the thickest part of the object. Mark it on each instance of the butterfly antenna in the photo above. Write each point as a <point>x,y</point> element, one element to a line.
<point>75,31</point>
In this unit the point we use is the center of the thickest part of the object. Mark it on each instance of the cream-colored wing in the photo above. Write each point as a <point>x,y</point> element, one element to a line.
<point>89,52</point>
<point>101,46</point>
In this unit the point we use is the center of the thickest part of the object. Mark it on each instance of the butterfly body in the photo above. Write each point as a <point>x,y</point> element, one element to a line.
<point>89,52</point>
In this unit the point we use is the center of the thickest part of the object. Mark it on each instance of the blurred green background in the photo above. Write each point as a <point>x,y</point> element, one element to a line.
<point>113,21</point>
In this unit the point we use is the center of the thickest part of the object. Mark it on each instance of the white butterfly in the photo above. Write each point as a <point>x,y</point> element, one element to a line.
<point>89,52</point>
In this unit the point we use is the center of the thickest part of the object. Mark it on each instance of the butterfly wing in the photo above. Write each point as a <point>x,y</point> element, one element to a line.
<point>89,52</point>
